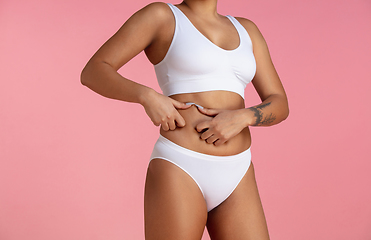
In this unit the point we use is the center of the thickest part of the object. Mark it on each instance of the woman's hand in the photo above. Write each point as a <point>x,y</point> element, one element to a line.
<point>225,125</point>
<point>163,110</point>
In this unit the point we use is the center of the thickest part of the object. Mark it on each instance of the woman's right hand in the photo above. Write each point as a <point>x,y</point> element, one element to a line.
<point>163,110</point>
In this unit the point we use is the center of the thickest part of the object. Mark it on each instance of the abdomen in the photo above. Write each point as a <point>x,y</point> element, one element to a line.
<point>188,136</point>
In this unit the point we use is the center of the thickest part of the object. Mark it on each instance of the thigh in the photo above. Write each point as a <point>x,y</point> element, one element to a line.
<point>240,216</point>
<point>174,207</point>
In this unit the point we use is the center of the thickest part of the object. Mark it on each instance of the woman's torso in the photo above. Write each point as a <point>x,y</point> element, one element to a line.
<point>187,136</point>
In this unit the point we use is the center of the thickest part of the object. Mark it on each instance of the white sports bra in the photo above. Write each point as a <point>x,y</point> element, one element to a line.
<point>194,64</point>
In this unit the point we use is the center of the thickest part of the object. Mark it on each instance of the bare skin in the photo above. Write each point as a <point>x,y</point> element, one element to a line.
<point>174,205</point>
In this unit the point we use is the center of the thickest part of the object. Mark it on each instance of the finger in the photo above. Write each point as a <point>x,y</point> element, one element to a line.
<point>218,142</point>
<point>180,122</point>
<point>164,126</point>
<point>179,105</point>
<point>209,111</point>
<point>171,125</point>
<point>212,139</point>
<point>202,126</point>
<point>207,134</point>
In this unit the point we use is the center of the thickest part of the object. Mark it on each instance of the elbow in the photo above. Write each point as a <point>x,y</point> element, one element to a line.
<point>84,79</point>
<point>283,112</point>
<point>283,109</point>
<point>91,72</point>
<point>286,112</point>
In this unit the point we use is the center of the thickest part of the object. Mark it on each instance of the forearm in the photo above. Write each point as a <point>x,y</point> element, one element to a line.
<point>271,111</point>
<point>104,80</point>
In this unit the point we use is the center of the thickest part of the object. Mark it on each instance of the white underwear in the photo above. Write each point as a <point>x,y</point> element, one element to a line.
<point>216,176</point>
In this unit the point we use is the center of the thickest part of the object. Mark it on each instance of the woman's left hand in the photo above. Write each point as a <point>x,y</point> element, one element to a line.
<point>225,125</point>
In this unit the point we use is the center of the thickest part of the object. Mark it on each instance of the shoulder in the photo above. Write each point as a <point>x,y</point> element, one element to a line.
<point>157,8</point>
<point>254,32</point>
<point>247,23</point>
<point>155,12</point>
<point>149,20</point>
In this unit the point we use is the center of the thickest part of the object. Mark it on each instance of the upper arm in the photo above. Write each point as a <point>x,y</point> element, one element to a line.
<point>266,80</point>
<point>137,33</point>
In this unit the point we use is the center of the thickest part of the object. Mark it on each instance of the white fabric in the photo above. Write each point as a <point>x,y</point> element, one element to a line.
<point>194,64</point>
<point>216,176</point>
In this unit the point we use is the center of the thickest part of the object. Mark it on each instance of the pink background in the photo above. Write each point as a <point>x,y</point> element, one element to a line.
<point>73,163</point>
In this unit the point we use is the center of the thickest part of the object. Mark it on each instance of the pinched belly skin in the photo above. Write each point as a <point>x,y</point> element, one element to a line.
<point>189,138</point>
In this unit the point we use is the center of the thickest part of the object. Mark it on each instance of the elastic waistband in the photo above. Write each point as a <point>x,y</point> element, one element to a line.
<point>183,150</point>
<point>192,103</point>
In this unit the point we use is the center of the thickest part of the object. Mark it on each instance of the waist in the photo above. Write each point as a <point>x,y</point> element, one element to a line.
<point>188,137</point>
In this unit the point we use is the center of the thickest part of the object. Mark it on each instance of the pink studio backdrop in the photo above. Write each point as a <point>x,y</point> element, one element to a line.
<point>73,164</point>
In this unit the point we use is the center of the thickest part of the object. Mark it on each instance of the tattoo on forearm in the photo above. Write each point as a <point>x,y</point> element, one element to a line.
<point>262,119</point>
